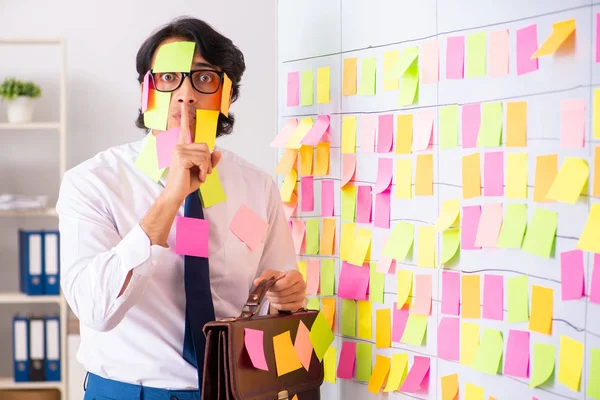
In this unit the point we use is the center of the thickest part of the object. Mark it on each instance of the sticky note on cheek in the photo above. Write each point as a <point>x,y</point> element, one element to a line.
<point>147,85</point>
<point>206,127</point>
<point>225,95</point>
<point>157,113</point>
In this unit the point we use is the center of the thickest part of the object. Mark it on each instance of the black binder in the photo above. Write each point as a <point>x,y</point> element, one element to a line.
<point>37,349</point>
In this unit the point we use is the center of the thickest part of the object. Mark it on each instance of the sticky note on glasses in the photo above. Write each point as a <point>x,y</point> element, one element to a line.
<point>225,95</point>
<point>174,57</point>
<point>206,127</point>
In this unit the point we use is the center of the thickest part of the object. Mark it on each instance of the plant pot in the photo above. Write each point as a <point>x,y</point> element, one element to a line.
<point>20,110</point>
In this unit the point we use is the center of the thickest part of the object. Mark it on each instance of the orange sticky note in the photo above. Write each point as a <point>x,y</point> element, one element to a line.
<point>596,185</point>
<point>404,133</point>
<point>424,175</point>
<point>471,176</point>
<point>248,227</point>
<point>349,84</point>
<point>306,160</point>
<point>286,358</point>
<point>516,124</point>
<point>380,373</point>
<point>383,332</point>
<point>303,345</point>
<point>470,296</point>
<point>321,167</point>
<point>327,237</point>
<point>287,161</point>
<point>541,309</point>
<point>449,387</point>
<point>206,127</point>
<point>226,95</point>
<point>546,169</point>
<point>329,310</point>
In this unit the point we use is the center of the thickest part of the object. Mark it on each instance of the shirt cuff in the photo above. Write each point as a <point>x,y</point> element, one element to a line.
<point>135,251</point>
<point>264,307</point>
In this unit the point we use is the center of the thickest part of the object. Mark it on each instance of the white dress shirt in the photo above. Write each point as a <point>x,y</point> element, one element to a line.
<point>138,337</point>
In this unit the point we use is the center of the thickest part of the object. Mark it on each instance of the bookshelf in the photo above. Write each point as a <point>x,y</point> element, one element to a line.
<point>17,298</point>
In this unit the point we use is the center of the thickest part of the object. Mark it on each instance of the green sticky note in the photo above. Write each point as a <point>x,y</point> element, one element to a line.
<point>593,385</point>
<point>174,57</point>
<point>513,226</point>
<point>517,288</point>
<point>157,114</point>
<point>400,241</point>
<point>476,54</point>
<point>348,317</point>
<point>364,359</point>
<point>368,74</point>
<point>147,160</point>
<point>312,236</point>
<point>307,91</point>
<point>449,126</point>
<point>414,333</point>
<point>490,129</point>
<point>348,203</point>
<point>450,244</point>
<point>407,58</point>
<point>542,363</point>
<point>489,353</point>
<point>541,233</point>
<point>313,304</point>
<point>320,335</point>
<point>376,285</point>
<point>410,86</point>
<point>327,284</point>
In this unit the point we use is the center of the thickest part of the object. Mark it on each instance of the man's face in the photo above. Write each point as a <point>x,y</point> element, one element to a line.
<point>189,96</point>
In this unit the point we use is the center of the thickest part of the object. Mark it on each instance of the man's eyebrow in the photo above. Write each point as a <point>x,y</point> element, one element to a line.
<point>203,64</point>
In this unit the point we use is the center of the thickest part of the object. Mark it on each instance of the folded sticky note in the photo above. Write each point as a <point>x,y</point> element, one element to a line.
<point>449,387</point>
<point>147,160</point>
<point>513,226</point>
<point>570,181</point>
<point>191,236</point>
<point>414,332</point>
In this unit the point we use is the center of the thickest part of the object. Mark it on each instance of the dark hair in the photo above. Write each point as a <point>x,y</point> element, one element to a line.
<point>214,47</point>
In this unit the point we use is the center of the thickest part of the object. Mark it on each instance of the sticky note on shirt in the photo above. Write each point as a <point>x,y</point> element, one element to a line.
<point>147,160</point>
<point>570,362</point>
<point>570,181</point>
<point>165,142</point>
<point>560,32</point>
<point>541,232</point>
<point>174,57</point>
<point>191,236</point>
<point>542,300</point>
<point>248,227</point>
<point>414,332</point>
<point>253,341</point>
<point>286,358</point>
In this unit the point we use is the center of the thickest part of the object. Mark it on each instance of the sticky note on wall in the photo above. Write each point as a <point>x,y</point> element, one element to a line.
<point>307,93</point>
<point>323,85</point>
<point>471,176</point>
<point>349,83</point>
<point>541,232</point>
<point>516,176</point>
<point>476,54</point>
<point>471,296</point>
<point>516,124</point>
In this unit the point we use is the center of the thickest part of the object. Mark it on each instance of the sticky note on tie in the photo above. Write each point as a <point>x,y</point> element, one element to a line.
<point>543,363</point>
<point>489,353</point>
<point>286,358</point>
<point>303,345</point>
<point>541,232</point>
<point>380,373</point>
<point>518,299</point>
<point>321,335</point>
<point>191,237</point>
<point>349,77</point>
<point>364,356</point>
<point>591,231</point>
<point>248,227</point>
<point>174,57</point>
<point>157,114</point>
<point>570,362</point>
<point>570,181</point>
<point>347,362</point>
<point>147,160</point>
<point>323,85</point>
<point>253,340</point>
<point>329,361</point>
<point>206,127</point>
<point>560,32</point>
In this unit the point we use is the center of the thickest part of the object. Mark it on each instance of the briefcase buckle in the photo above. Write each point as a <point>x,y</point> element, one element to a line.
<point>283,395</point>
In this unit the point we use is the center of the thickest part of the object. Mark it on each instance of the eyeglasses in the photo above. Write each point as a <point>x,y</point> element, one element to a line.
<point>205,81</point>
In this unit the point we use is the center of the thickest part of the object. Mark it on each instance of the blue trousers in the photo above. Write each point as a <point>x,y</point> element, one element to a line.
<point>99,388</point>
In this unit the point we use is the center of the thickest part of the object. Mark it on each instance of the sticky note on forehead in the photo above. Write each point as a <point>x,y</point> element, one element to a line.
<point>225,95</point>
<point>174,57</point>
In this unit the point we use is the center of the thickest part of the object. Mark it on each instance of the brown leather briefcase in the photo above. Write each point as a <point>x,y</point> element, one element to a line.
<point>228,370</point>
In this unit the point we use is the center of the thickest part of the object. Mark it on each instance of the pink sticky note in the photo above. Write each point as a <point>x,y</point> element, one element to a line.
<point>253,340</point>
<point>191,237</point>
<point>423,129</point>
<point>384,264</point>
<point>285,133</point>
<point>327,199</point>
<point>572,123</point>
<point>298,233</point>
<point>526,46</point>
<point>450,293</point>
<point>348,168</point>
<point>471,121</point>
<point>347,362</point>
<point>248,227</point>
<point>499,49</point>
<point>490,222</point>
<point>368,125</point>
<point>385,133</point>
<point>595,285</point>
<point>415,380</point>
<point>469,225</point>
<point>363,205</point>
<point>165,142</point>
<point>493,297</point>
<point>146,91</point>
<point>312,276</point>
<point>303,345</point>
<point>293,89</point>
<point>455,57</point>
<point>572,275</point>
<point>598,37</point>
<point>493,173</point>
<point>430,62</point>
<point>308,194</point>
<point>516,362</point>
<point>422,304</point>
<point>448,346</point>
<point>316,132</point>
<point>354,282</point>
<point>385,171</point>
<point>382,209</point>
<point>399,321</point>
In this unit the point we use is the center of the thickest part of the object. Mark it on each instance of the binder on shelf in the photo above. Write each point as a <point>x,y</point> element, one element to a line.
<point>31,262</point>
<point>52,356</point>
<point>37,345</point>
<point>51,263</point>
<point>21,349</point>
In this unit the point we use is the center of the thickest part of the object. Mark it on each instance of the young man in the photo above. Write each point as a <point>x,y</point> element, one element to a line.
<point>140,302</point>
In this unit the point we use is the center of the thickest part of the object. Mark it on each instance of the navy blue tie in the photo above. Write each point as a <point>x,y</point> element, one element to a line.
<point>199,307</point>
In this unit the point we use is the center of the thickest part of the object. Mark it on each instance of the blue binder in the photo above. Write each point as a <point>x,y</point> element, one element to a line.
<point>52,347</point>
<point>31,247</point>
<point>21,349</point>
<point>51,264</point>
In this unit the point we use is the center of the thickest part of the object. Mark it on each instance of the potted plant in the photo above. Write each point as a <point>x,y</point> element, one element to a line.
<point>20,99</point>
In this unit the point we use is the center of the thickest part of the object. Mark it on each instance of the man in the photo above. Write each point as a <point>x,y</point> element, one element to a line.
<point>141,302</point>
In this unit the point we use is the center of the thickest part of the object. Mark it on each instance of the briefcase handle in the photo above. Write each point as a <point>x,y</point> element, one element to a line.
<point>257,295</point>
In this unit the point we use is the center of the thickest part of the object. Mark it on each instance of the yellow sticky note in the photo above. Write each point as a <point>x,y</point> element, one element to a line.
<point>449,126</point>
<point>286,358</point>
<point>397,373</point>
<point>542,361</point>
<point>212,191</point>
<point>560,32</point>
<point>288,186</point>
<point>157,114</point>
<point>541,232</point>
<point>383,328</point>
<point>367,77</point>
<point>546,168</point>
<point>174,57</point>
<point>542,300</point>
<point>474,392</point>
<point>327,246</point>
<point>516,179</point>
<point>365,319</point>
<point>226,95</point>
<point>287,161</point>
<point>307,89</point>
<point>403,175</point>
<point>450,245</point>
<point>409,89</point>
<point>426,246</point>
<point>389,59</point>
<point>362,244</point>
<point>471,176</point>
<point>489,353</point>
<point>348,203</point>
<point>321,167</point>
<point>380,372</point>
<point>349,83</point>
<point>570,362</point>
<point>570,181</point>
<point>596,116</point>
<point>206,127</point>
<point>306,160</point>
<point>469,342</point>
<point>476,54</point>
<point>400,241</point>
<point>301,130</point>
<point>404,133</point>
<point>302,269</point>
<point>147,160</point>
<point>407,59</point>
<point>347,240</point>
<point>448,215</point>
<point>414,332</point>
<point>596,184</point>
<point>405,282</point>
<point>348,134</point>
<point>449,386</point>
<point>329,365</point>
<point>424,175</point>
<point>516,124</point>
<point>591,231</point>
<point>323,85</point>
<point>470,296</point>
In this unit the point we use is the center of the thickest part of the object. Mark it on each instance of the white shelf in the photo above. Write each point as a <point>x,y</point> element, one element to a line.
<point>20,298</point>
<point>48,212</point>
<point>26,40</point>
<point>9,383</point>
<point>30,125</point>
